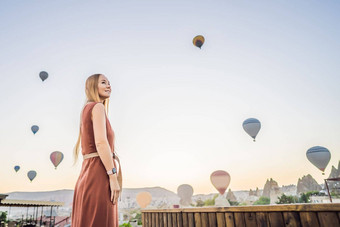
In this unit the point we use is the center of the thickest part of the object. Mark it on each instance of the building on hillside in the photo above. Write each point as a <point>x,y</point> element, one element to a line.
<point>323,199</point>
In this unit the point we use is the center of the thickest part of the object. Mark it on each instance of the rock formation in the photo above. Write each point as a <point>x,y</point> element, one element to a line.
<point>306,184</point>
<point>230,196</point>
<point>221,201</point>
<point>255,193</point>
<point>274,195</point>
<point>335,173</point>
<point>271,190</point>
<point>270,185</point>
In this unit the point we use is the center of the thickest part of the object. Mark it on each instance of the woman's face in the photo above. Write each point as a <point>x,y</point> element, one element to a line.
<point>104,87</point>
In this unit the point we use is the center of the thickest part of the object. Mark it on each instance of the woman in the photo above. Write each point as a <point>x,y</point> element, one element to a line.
<point>99,184</point>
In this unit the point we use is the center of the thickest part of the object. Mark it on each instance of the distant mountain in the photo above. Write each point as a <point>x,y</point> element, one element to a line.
<point>65,196</point>
<point>128,198</point>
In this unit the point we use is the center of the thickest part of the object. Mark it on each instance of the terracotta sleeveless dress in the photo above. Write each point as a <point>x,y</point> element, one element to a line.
<point>92,206</point>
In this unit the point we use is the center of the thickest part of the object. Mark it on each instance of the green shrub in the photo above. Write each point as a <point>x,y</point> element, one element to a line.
<point>263,200</point>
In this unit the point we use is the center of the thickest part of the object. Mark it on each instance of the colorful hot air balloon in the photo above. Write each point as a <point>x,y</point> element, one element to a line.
<point>143,199</point>
<point>56,158</point>
<point>31,175</point>
<point>185,192</point>
<point>35,129</point>
<point>43,75</point>
<point>198,41</point>
<point>319,157</point>
<point>252,126</point>
<point>220,179</point>
<point>16,168</point>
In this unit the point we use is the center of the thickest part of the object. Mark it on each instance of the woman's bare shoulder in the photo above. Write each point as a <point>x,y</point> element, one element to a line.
<point>98,109</point>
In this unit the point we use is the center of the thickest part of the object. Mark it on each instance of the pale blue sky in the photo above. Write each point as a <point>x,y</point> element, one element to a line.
<point>177,111</point>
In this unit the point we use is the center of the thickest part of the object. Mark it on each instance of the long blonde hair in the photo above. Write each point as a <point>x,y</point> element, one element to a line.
<point>92,95</point>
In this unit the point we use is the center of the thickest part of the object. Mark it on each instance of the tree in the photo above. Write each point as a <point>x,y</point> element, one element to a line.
<point>233,203</point>
<point>199,203</point>
<point>284,199</point>
<point>210,202</point>
<point>125,225</point>
<point>3,216</point>
<point>139,218</point>
<point>263,200</point>
<point>305,197</point>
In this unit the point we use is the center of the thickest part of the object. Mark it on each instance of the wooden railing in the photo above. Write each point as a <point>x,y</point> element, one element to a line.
<point>311,215</point>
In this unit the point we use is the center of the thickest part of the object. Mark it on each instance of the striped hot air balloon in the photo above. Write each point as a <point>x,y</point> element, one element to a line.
<point>319,157</point>
<point>56,157</point>
<point>221,180</point>
<point>252,126</point>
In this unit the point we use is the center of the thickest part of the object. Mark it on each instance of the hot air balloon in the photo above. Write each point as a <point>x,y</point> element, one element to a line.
<point>319,157</point>
<point>56,158</point>
<point>198,41</point>
<point>43,75</point>
<point>35,129</point>
<point>31,175</point>
<point>220,179</point>
<point>252,126</point>
<point>185,192</point>
<point>143,199</point>
<point>16,168</point>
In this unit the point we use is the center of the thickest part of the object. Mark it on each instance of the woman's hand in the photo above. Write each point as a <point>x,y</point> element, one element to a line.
<point>115,189</point>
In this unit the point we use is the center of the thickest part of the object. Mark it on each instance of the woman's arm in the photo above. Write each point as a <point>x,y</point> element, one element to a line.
<point>100,136</point>
<point>103,147</point>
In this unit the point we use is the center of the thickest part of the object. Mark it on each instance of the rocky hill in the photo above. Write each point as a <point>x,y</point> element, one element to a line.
<point>335,173</point>
<point>231,196</point>
<point>306,184</point>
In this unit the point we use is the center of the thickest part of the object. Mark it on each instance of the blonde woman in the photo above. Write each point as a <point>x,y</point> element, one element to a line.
<point>99,184</point>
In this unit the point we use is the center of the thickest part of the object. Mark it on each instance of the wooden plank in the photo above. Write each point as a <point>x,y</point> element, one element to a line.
<point>174,219</point>
<point>239,219</point>
<point>161,222</point>
<point>291,219</point>
<point>143,219</point>
<point>153,220</point>
<point>185,219</point>
<point>309,219</point>
<point>229,219</point>
<point>204,220</point>
<point>157,219</point>
<point>212,219</point>
<point>198,222</point>
<point>328,219</point>
<point>275,219</point>
<point>263,208</point>
<point>250,219</point>
<point>148,219</point>
<point>179,220</point>
<point>169,220</point>
<point>191,220</point>
<point>220,219</point>
<point>165,220</point>
<point>262,219</point>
